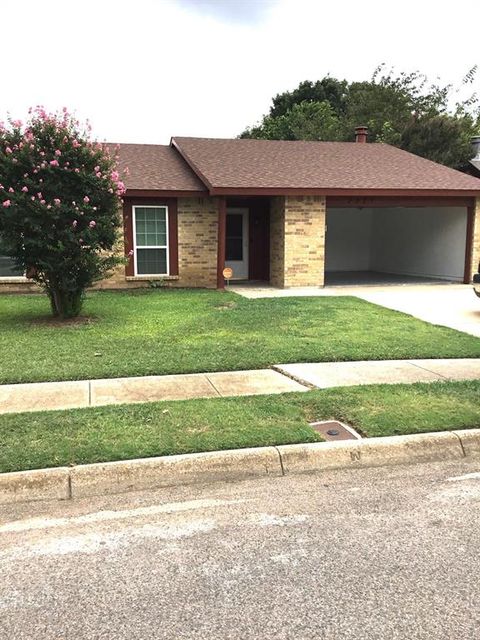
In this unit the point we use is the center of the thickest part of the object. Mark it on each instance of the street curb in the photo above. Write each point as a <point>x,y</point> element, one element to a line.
<point>82,481</point>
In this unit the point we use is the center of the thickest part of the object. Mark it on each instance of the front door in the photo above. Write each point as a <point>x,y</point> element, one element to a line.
<point>236,250</point>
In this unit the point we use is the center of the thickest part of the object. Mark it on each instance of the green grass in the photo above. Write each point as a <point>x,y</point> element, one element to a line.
<point>55,438</point>
<point>160,332</point>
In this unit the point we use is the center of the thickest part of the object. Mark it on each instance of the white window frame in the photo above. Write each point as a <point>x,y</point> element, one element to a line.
<point>134,230</point>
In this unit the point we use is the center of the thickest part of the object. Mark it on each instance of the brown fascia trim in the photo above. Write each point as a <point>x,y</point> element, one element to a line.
<point>361,202</point>
<point>268,191</point>
<point>192,165</point>
<point>163,193</point>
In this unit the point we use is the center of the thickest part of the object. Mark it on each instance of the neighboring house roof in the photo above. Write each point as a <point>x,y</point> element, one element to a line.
<point>154,167</point>
<point>229,166</point>
<point>476,163</point>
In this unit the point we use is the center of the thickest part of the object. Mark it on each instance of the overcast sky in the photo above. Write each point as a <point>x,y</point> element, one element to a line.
<point>144,70</point>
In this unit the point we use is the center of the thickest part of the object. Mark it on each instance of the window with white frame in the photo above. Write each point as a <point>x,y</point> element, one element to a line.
<point>7,266</point>
<point>150,232</point>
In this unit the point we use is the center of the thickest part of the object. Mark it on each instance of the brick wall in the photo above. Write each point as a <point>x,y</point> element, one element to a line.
<point>476,239</point>
<point>197,252</point>
<point>197,242</point>
<point>297,241</point>
<point>197,248</point>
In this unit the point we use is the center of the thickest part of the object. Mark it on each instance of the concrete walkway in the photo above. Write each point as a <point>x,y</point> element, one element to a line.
<point>344,374</point>
<point>450,305</point>
<point>43,396</point>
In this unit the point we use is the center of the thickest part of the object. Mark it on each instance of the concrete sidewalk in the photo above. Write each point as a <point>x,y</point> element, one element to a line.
<point>43,396</point>
<point>344,374</point>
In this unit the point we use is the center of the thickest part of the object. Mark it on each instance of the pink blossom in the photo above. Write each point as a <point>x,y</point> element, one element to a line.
<point>49,206</point>
<point>130,253</point>
<point>54,163</point>
<point>76,144</point>
<point>42,201</point>
<point>56,202</point>
<point>39,195</point>
<point>98,174</point>
<point>11,190</point>
<point>6,203</point>
<point>92,224</point>
<point>8,150</point>
<point>25,175</point>
<point>58,152</point>
<point>14,160</point>
<point>86,199</point>
<point>1,186</point>
<point>97,168</point>
<point>32,198</point>
<point>77,170</point>
<point>25,189</point>
<point>115,176</point>
<point>17,123</point>
<point>74,223</point>
<point>42,153</point>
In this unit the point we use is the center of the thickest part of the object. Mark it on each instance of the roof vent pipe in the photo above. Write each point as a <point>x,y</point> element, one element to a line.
<point>475,140</point>
<point>361,134</point>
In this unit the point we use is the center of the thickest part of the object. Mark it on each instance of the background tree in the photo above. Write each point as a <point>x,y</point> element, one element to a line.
<point>60,195</point>
<point>303,121</point>
<point>330,90</point>
<point>400,109</point>
<point>446,138</point>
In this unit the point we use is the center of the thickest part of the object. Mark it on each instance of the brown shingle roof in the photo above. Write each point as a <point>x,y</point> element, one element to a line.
<point>156,167</point>
<point>270,165</point>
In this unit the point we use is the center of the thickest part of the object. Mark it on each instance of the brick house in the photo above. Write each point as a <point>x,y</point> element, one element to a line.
<point>291,213</point>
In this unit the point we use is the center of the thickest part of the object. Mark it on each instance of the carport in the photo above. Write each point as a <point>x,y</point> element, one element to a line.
<point>397,240</point>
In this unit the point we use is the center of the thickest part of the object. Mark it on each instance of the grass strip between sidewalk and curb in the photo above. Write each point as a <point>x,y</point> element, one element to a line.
<point>123,432</point>
<point>147,332</point>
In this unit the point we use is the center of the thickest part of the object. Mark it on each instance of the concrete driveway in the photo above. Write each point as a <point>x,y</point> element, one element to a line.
<point>454,306</point>
<point>451,305</point>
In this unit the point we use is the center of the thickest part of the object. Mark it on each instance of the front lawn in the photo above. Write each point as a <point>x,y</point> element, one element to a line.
<point>56,438</point>
<point>159,332</point>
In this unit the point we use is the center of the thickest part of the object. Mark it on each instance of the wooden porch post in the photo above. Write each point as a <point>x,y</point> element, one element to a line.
<point>221,240</point>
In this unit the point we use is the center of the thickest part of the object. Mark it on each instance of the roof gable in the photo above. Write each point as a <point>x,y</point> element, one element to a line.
<point>155,167</point>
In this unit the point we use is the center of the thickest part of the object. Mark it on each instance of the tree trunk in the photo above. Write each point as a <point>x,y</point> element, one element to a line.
<point>65,304</point>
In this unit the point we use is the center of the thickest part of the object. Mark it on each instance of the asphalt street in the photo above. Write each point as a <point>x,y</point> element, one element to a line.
<point>371,554</point>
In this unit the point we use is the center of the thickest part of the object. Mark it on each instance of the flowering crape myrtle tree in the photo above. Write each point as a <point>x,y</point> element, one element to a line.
<point>60,195</point>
